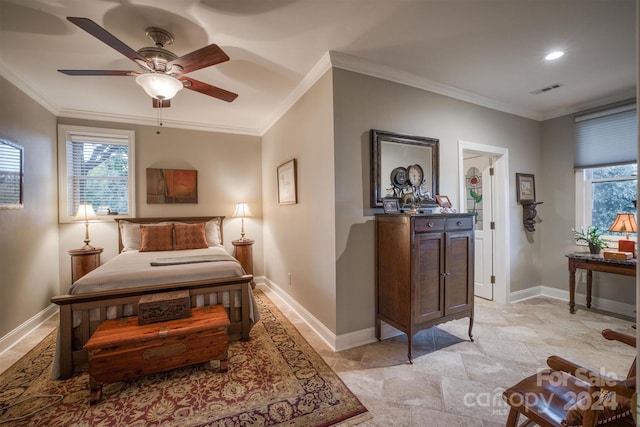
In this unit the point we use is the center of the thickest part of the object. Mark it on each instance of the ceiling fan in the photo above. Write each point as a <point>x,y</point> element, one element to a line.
<point>163,72</point>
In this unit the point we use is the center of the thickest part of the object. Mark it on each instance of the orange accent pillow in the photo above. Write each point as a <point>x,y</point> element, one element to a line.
<point>190,236</point>
<point>156,238</point>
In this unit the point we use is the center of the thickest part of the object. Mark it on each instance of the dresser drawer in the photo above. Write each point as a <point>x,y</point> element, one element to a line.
<point>454,224</point>
<point>428,224</point>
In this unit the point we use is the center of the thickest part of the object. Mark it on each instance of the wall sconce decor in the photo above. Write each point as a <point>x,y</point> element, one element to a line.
<point>242,211</point>
<point>526,195</point>
<point>85,213</point>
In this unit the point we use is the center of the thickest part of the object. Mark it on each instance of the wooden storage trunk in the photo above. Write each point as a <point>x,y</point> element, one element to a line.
<point>121,349</point>
<point>163,306</point>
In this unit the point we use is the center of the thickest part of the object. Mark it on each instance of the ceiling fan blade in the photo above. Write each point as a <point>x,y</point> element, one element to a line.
<point>207,89</point>
<point>106,37</point>
<point>99,72</point>
<point>161,103</point>
<point>201,58</point>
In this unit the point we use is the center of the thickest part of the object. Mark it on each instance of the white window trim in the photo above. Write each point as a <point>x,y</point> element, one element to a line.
<point>583,215</point>
<point>64,134</point>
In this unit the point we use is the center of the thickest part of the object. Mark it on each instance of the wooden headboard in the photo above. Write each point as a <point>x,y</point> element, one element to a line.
<point>185,219</point>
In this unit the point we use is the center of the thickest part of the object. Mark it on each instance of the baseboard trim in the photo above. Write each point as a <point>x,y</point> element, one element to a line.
<point>562,294</point>
<point>16,335</point>
<point>335,342</point>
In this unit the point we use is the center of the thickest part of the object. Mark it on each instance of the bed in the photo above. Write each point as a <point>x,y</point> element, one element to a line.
<point>148,263</point>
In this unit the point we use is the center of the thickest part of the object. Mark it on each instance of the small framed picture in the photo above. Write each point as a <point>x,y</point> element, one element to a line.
<point>391,205</point>
<point>287,183</point>
<point>525,187</point>
<point>443,201</point>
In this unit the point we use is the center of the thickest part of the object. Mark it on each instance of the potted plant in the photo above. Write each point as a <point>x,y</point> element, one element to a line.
<point>592,236</point>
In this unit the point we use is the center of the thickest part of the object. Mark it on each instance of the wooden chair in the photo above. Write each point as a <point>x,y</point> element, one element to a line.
<point>569,394</point>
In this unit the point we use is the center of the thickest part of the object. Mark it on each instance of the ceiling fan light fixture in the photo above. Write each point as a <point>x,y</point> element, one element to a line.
<point>554,55</point>
<point>158,85</point>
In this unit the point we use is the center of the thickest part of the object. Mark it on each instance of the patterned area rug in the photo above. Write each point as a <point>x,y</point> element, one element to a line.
<point>275,378</point>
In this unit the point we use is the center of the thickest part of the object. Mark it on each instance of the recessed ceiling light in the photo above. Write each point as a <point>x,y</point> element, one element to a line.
<point>554,55</point>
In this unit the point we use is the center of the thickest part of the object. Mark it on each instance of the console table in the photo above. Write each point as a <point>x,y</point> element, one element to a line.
<point>591,263</point>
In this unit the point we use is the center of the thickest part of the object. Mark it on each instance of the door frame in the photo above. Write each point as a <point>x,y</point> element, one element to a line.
<point>501,209</point>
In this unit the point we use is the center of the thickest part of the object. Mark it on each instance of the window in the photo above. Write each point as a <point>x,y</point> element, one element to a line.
<point>606,191</point>
<point>606,166</point>
<point>11,175</point>
<point>96,166</point>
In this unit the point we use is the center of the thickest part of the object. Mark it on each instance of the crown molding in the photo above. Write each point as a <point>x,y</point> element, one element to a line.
<point>370,68</point>
<point>137,120</point>
<point>318,70</point>
<point>18,82</point>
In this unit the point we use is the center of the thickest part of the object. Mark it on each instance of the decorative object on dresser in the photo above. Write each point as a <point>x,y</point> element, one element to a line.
<point>287,183</point>
<point>424,271</point>
<point>85,213</point>
<point>391,205</point>
<point>84,261</point>
<point>625,223</point>
<point>122,349</point>
<point>242,211</point>
<point>413,185</point>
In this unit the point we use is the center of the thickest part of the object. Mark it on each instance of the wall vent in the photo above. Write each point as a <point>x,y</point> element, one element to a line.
<point>546,89</point>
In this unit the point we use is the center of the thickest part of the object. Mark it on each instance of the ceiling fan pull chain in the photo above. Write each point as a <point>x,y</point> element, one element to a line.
<point>159,117</point>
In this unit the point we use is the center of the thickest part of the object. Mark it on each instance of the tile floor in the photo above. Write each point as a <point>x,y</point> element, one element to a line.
<point>454,382</point>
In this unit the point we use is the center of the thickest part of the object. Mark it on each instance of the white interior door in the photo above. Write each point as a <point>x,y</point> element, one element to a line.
<point>479,200</point>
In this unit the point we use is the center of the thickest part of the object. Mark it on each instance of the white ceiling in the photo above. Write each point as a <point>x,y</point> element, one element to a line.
<point>490,52</point>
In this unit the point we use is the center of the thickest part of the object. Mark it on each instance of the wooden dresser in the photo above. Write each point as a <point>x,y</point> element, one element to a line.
<point>121,349</point>
<point>424,271</point>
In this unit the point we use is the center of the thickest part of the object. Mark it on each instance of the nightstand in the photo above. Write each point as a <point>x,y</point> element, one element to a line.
<point>243,252</point>
<point>84,261</point>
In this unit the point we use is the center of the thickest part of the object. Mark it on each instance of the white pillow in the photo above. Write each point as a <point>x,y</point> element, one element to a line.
<point>130,236</point>
<point>212,229</point>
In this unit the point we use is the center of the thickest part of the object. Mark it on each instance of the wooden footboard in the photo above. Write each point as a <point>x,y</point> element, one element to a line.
<point>71,356</point>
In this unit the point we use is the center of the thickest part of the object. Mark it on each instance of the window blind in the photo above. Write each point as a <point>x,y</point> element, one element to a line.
<point>97,173</point>
<point>607,137</point>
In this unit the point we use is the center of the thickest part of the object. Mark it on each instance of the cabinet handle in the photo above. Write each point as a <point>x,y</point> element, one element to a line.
<point>445,274</point>
<point>430,224</point>
<point>459,223</point>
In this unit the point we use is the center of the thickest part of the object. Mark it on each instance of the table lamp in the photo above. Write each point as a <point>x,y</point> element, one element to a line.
<point>85,213</point>
<point>625,223</point>
<point>242,210</point>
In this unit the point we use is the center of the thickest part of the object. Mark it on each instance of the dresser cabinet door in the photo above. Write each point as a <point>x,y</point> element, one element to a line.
<point>458,279</point>
<point>428,268</point>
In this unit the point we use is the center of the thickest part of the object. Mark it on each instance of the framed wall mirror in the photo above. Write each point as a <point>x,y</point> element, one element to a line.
<point>11,175</point>
<point>404,167</point>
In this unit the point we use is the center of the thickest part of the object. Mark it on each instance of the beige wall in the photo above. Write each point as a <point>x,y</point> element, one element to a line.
<point>28,236</point>
<point>362,103</point>
<point>300,239</point>
<point>229,171</point>
<point>559,202</point>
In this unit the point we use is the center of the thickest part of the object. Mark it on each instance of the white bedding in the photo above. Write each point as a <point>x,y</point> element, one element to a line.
<point>133,268</point>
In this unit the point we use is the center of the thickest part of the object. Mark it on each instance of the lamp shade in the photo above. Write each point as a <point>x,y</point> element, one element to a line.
<point>159,85</point>
<point>242,210</point>
<point>624,223</point>
<point>85,212</point>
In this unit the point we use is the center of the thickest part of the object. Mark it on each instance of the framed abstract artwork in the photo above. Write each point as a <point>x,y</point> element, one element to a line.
<point>172,186</point>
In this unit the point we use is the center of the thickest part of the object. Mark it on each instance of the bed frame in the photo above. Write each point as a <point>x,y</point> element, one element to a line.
<point>71,356</point>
